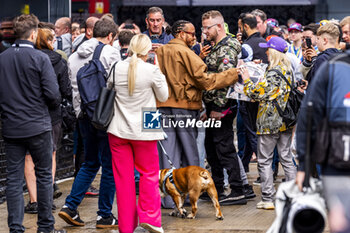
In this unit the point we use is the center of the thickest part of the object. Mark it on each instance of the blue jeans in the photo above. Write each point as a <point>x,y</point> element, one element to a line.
<point>40,148</point>
<point>136,175</point>
<point>97,154</point>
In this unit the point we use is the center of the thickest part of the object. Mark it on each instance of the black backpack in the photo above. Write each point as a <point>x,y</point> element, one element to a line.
<point>91,78</point>
<point>290,113</point>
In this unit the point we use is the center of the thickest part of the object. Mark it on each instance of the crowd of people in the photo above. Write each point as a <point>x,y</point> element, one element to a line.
<point>167,69</point>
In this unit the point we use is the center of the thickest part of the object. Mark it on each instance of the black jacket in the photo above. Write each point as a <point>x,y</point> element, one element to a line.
<point>258,52</point>
<point>28,86</point>
<point>61,70</point>
<point>319,94</point>
<point>321,58</point>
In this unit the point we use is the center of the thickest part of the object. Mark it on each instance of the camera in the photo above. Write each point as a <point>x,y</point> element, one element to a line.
<point>129,26</point>
<point>308,42</point>
<point>301,82</point>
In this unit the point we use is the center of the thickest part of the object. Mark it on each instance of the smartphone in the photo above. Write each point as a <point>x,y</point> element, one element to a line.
<point>308,42</point>
<point>154,38</point>
<point>207,42</point>
<point>151,58</point>
<point>129,26</point>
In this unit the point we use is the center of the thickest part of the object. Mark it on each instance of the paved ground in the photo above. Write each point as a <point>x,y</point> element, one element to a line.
<point>237,218</point>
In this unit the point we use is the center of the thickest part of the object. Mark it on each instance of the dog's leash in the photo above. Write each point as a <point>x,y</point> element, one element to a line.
<point>164,151</point>
<point>169,173</point>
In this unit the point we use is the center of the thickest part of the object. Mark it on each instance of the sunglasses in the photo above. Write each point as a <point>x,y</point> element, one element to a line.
<point>193,34</point>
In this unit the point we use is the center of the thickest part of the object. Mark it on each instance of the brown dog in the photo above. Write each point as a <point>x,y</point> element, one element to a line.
<point>191,180</point>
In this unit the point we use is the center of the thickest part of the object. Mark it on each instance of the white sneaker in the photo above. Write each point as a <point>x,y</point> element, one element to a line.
<point>266,205</point>
<point>152,228</point>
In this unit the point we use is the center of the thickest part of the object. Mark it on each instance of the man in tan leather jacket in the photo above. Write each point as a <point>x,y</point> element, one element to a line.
<point>187,78</point>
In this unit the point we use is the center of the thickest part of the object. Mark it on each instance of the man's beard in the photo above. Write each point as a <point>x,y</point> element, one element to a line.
<point>212,37</point>
<point>155,33</point>
<point>244,35</point>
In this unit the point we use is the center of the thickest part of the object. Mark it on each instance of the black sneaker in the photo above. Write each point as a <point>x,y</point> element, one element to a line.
<point>56,191</point>
<point>205,197</point>
<point>31,208</point>
<point>71,216</point>
<point>257,182</point>
<point>56,231</point>
<point>109,222</point>
<point>234,198</point>
<point>92,192</point>
<point>248,191</point>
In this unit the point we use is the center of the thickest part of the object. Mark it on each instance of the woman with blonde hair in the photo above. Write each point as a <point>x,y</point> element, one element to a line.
<point>138,84</point>
<point>271,130</point>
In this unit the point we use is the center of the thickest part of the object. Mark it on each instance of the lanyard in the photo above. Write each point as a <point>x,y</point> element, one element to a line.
<point>296,52</point>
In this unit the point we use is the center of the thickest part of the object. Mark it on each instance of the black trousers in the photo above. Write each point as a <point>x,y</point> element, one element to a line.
<point>40,148</point>
<point>221,153</point>
<point>249,112</point>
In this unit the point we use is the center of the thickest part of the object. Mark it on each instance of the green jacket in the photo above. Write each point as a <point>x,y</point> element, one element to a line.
<point>222,56</point>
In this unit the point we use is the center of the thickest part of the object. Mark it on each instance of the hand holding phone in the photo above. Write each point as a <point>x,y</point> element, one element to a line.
<point>129,26</point>
<point>308,42</point>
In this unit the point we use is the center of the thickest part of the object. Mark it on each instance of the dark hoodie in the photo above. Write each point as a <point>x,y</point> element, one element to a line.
<point>61,70</point>
<point>321,58</point>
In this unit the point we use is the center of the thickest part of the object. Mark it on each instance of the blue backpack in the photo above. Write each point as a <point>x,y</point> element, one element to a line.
<point>91,78</point>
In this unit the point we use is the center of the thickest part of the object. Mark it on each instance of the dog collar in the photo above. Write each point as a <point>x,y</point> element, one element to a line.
<point>169,172</point>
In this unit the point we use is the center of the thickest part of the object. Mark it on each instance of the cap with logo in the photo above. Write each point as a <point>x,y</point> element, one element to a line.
<point>295,26</point>
<point>276,43</point>
<point>273,22</point>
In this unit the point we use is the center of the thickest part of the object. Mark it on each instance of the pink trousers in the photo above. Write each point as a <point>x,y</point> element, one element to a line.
<point>144,156</point>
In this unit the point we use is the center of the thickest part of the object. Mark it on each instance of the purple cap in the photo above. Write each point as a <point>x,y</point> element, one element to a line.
<point>276,43</point>
<point>295,26</point>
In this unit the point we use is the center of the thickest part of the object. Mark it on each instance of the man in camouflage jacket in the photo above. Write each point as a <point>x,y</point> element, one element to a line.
<point>220,150</point>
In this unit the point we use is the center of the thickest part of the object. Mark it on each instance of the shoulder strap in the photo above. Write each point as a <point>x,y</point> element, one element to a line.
<point>284,78</point>
<point>110,72</point>
<point>97,52</point>
<point>279,109</point>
